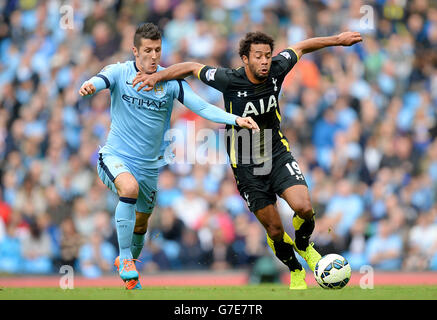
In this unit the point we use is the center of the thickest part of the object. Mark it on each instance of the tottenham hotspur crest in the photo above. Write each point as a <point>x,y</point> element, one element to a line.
<point>274,80</point>
<point>247,199</point>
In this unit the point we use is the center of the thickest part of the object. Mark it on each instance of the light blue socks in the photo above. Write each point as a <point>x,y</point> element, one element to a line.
<point>125,224</point>
<point>137,244</point>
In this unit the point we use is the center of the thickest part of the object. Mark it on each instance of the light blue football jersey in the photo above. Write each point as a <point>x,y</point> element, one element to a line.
<point>139,120</point>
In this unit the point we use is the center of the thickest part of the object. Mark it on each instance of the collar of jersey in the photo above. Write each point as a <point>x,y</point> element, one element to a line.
<point>135,66</point>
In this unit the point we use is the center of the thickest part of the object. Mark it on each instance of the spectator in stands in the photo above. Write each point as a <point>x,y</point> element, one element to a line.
<point>190,207</point>
<point>70,243</point>
<point>158,255</point>
<point>10,251</point>
<point>422,242</point>
<point>37,250</point>
<point>171,226</point>
<point>57,209</point>
<point>96,256</point>
<point>168,191</point>
<point>191,252</point>
<point>344,208</point>
<point>82,217</point>
<point>30,198</point>
<point>103,225</point>
<point>221,255</point>
<point>356,243</point>
<point>385,248</point>
<point>5,212</point>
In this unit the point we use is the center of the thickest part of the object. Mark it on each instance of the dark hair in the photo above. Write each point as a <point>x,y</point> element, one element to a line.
<point>254,38</point>
<point>146,31</point>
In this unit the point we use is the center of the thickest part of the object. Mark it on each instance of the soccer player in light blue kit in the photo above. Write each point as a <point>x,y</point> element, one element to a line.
<point>134,150</point>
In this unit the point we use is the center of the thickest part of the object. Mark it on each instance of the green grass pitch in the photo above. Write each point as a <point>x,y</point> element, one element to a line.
<point>248,292</point>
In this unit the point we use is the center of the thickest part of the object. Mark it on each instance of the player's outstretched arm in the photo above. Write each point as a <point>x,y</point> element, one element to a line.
<point>87,88</point>
<point>347,38</point>
<point>176,71</point>
<point>105,79</point>
<point>210,112</point>
<point>247,122</point>
<point>93,85</point>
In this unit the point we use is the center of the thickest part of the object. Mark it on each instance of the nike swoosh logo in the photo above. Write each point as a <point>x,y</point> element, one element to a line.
<point>129,83</point>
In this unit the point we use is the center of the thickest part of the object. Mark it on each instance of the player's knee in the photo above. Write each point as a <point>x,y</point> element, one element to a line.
<point>127,185</point>
<point>304,209</point>
<point>275,232</point>
<point>140,228</point>
<point>129,189</point>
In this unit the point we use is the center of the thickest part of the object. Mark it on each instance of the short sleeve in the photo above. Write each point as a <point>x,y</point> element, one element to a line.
<point>110,74</point>
<point>284,61</point>
<point>217,78</point>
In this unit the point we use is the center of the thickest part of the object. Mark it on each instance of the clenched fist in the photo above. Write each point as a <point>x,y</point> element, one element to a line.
<point>87,89</point>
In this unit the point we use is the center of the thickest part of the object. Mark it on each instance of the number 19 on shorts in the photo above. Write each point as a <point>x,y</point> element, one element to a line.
<point>295,170</point>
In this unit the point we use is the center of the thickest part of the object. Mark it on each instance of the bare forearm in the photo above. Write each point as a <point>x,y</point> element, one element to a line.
<point>347,38</point>
<point>176,71</point>
<point>313,44</point>
<point>179,71</point>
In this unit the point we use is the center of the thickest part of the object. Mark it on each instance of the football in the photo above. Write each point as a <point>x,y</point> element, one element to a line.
<point>332,271</point>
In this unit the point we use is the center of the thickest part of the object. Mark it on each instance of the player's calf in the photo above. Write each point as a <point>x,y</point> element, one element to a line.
<point>137,244</point>
<point>304,228</point>
<point>140,230</point>
<point>124,224</point>
<point>284,251</point>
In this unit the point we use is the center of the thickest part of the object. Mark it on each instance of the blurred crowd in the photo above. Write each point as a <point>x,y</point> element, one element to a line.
<point>361,121</point>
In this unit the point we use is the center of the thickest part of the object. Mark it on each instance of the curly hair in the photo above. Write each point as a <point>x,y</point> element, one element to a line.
<point>146,31</point>
<point>254,38</point>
